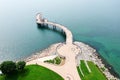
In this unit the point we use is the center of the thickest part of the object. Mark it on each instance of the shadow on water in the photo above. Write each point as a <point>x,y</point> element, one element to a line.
<point>46,27</point>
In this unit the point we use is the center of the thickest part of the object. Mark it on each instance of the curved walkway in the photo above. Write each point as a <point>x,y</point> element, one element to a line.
<point>68,71</point>
<point>68,50</point>
<point>69,37</point>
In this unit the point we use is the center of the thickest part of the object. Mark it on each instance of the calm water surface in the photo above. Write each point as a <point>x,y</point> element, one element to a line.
<point>96,22</point>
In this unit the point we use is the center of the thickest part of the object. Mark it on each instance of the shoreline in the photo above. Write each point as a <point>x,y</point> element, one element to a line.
<point>79,51</point>
<point>110,70</point>
<point>104,61</point>
<point>94,56</point>
<point>97,58</point>
<point>108,66</point>
<point>50,50</point>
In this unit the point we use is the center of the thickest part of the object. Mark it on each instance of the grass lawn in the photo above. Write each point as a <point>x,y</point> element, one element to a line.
<point>96,74</point>
<point>33,72</point>
<point>84,68</point>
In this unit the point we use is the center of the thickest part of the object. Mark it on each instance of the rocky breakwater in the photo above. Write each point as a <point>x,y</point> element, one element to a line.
<point>90,54</point>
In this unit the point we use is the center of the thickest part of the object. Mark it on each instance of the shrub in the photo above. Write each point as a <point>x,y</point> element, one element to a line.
<point>8,67</point>
<point>58,60</point>
<point>20,65</point>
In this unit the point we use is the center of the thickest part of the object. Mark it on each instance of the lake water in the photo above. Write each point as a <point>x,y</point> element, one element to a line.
<point>96,22</point>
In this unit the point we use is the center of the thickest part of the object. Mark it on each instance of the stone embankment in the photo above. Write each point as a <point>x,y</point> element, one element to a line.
<point>51,50</point>
<point>73,52</point>
<point>90,54</point>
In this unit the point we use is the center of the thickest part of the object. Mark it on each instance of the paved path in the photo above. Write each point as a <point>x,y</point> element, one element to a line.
<point>47,58</point>
<point>69,37</point>
<point>68,71</point>
<point>68,50</point>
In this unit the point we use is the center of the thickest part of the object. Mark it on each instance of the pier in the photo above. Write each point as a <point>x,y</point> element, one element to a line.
<point>67,50</point>
<point>68,33</point>
<point>72,52</point>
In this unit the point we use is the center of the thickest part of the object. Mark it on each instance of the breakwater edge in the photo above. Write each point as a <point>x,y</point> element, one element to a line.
<point>88,53</point>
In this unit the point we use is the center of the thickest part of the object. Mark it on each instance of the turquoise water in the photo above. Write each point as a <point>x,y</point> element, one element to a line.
<point>96,22</point>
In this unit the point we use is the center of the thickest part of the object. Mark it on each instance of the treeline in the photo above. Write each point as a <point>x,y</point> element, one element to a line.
<point>10,67</point>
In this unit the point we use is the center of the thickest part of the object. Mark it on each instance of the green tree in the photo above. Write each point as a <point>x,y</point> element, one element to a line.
<point>20,65</point>
<point>8,67</point>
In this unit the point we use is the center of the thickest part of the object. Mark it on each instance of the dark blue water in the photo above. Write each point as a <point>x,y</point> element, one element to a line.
<point>96,22</point>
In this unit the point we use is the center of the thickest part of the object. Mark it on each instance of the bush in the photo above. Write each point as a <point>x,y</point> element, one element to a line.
<point>20,65</point>
<point>58,60</point>
<point>8,67</point>
<point>49,61</point>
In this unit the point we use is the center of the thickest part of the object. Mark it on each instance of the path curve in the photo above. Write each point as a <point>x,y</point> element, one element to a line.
<point>68,33</point>
<point>68,50</point>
